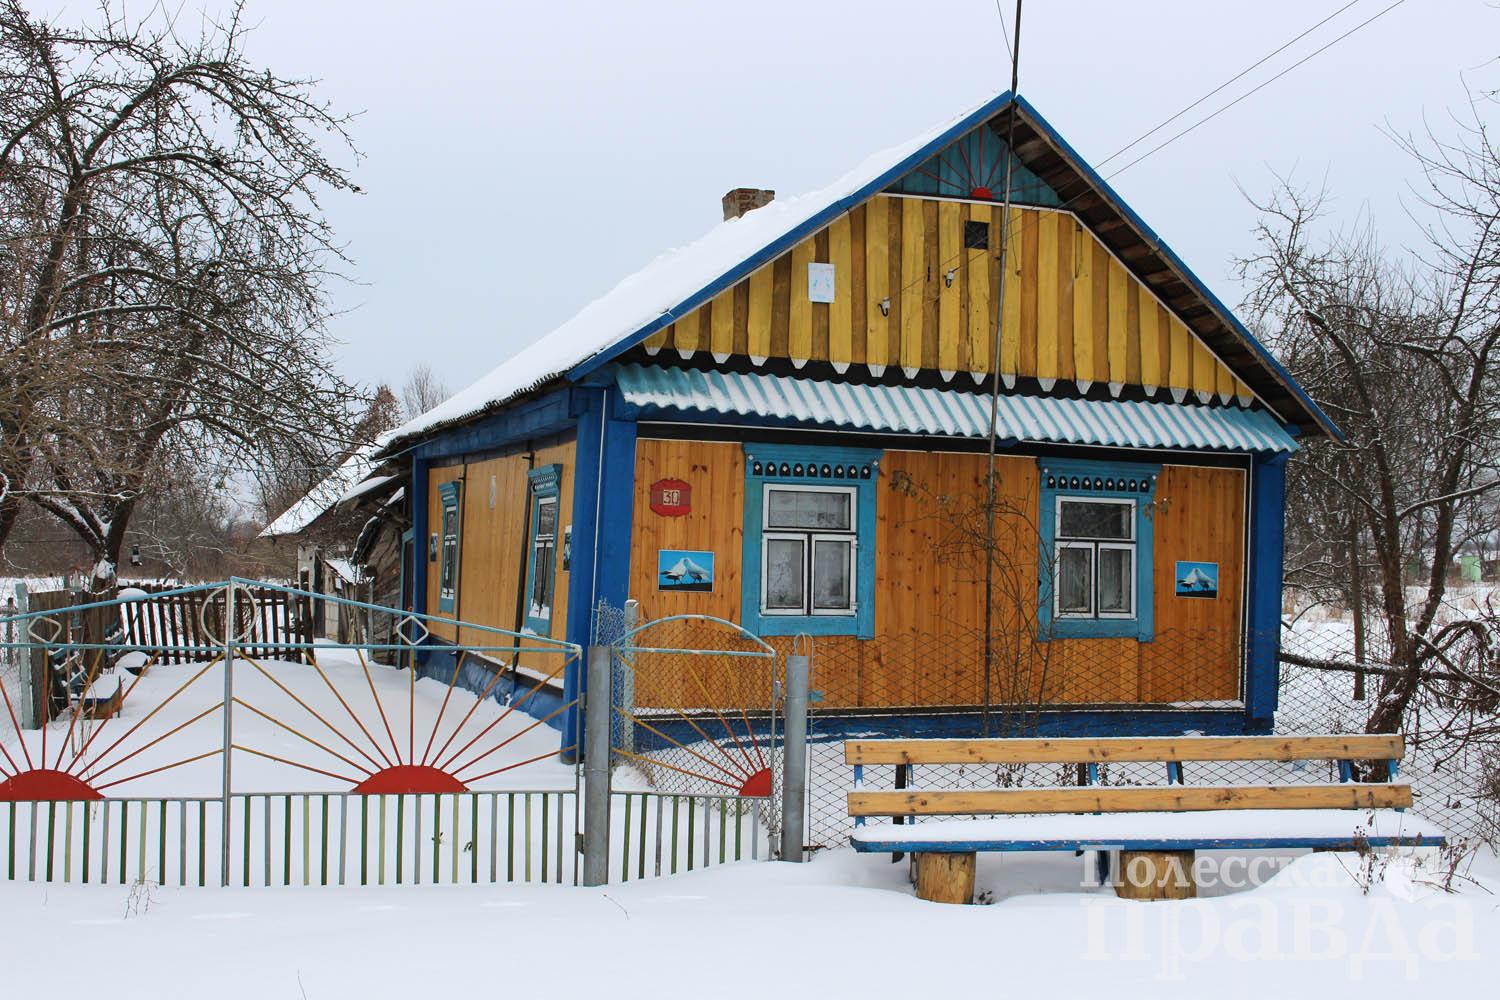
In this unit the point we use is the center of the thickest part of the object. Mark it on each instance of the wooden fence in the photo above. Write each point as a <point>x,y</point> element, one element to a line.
<point>171,626</point>
<point>269,621</point>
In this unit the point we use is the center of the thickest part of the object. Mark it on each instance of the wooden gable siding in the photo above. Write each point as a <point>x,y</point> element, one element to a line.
<point>928,603</point>
<point>1072,310</point>
<point>492,546</point>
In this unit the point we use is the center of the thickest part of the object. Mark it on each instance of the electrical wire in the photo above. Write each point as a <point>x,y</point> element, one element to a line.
<point>1005,33</point>
<point>1259,87</point>
<point>1163,145</point>
<point>1233,79</point>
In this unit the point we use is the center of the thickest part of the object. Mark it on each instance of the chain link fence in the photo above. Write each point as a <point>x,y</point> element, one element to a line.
<point>694,712</point>
<point>935,685</point>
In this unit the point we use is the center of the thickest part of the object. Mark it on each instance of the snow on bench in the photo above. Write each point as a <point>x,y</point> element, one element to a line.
<point>1158,823</point>
<point>1245,829</point>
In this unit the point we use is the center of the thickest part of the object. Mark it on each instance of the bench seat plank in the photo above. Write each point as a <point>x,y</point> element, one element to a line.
<point>1127,799</point>
<point>1245,830</point>
<point>1083,750</point>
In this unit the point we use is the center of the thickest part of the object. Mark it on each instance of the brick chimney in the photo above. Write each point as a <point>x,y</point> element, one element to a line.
<point>742,201</point>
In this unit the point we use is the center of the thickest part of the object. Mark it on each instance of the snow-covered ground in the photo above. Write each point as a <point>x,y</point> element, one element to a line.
<point>844,925</point>
<point>348,726</point>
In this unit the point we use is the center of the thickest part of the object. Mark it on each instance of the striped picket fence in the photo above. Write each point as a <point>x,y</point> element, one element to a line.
<point>333,838</point>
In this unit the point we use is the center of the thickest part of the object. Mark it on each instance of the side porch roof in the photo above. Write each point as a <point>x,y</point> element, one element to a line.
<point>950,412</point>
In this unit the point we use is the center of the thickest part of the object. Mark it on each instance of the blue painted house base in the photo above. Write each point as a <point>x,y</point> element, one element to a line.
<point>836,727</point>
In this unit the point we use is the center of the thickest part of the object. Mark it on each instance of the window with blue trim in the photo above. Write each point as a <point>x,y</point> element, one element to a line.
<point>1097,543</point>
<point>448,496</point>
<point>541,561</point>
<point>809,552</point>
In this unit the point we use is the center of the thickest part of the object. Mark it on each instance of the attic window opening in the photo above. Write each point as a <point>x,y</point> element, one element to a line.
<point>976,235</point>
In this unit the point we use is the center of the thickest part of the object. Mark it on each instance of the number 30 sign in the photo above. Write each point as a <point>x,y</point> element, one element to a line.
<point>671,497</point>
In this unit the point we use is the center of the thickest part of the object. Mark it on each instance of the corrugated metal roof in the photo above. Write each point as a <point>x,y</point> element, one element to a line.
<point>912,410</point>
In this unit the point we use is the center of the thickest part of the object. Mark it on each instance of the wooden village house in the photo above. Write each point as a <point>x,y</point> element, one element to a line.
<point>786,425</point>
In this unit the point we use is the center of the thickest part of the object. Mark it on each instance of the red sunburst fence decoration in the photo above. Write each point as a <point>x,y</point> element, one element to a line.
<point>400,711</point>
<point>694,707</point>
<point>70,670</point>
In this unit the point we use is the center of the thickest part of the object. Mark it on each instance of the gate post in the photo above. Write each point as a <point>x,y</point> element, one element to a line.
<point>225,775</point>
<point>794,759</point>
<point>596,727</point>
<point>21,656</point>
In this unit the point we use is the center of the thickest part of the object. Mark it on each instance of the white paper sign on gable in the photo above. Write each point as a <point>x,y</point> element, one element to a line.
<point>820,282</point>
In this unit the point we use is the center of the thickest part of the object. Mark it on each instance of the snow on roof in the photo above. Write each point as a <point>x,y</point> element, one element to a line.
<point>667,283</point>
<point>368,486</point>
<point>344,568</point>
<point>323,496</point>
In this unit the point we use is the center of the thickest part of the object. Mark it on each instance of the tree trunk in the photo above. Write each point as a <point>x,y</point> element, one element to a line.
<point>1357,604</point>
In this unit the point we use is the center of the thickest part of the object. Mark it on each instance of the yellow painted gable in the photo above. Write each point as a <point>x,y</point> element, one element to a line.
<point>909,295</point>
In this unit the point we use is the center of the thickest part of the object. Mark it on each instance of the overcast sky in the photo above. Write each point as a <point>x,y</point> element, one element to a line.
<point>521,158</point>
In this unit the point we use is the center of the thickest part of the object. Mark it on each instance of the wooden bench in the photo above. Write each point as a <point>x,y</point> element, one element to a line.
<point>1164,824</point>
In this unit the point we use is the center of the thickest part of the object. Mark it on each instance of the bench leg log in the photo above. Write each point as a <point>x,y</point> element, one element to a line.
<point>945,878</point>
<point>1156,875</point>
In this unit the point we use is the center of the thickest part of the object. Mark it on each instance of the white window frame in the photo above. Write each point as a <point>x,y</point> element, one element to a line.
<point>766,538</point>
<point>812,560</point>
<point>809,538</point>
<point>1057,578</point>
<point>1093,545</point>
<point>1130,578</point>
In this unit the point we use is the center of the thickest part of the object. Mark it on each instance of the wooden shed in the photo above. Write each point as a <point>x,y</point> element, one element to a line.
<point>787,424</point>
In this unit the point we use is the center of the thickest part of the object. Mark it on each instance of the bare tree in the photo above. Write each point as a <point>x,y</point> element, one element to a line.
<point>1015,680</point>
<point>1404,353</point>
<point>159,215</point>
<point>423,391</point>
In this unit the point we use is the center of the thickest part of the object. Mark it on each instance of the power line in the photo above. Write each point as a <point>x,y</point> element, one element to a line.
<point>991,491</point>
<point>1204,121</point>
<point>1005,35</point>
<point>1238,76</point>
<point>1156,149</point>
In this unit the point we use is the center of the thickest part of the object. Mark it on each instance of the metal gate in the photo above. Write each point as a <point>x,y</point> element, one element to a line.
<point>693,739</point>
<point>201,735</point>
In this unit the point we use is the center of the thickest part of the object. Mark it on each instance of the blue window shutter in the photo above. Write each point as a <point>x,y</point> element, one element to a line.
<point>812,466</point>
<point>545,482</point>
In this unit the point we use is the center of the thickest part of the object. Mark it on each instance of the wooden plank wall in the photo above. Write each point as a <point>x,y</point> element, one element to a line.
<point>1072,310</point>
<point>493,543</point>
<point>929,605</point>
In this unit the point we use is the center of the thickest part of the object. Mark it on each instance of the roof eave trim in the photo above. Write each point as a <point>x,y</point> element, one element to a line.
<point>1310,408</point>
<point>781,245</point>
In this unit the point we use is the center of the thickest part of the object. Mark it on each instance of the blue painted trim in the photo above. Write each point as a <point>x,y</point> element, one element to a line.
<point>1118,203</point>
<point>862,622</point>
<point>833,726</point>
<point>540,416</point>
<point>417,600</point>
<point>545,483</point>
<point>1065,470</point>
<point>779,246</point>
<point>1267,527</point>
<point>980,153</point>
<point>1349,843</point>
<point>603,508</point>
